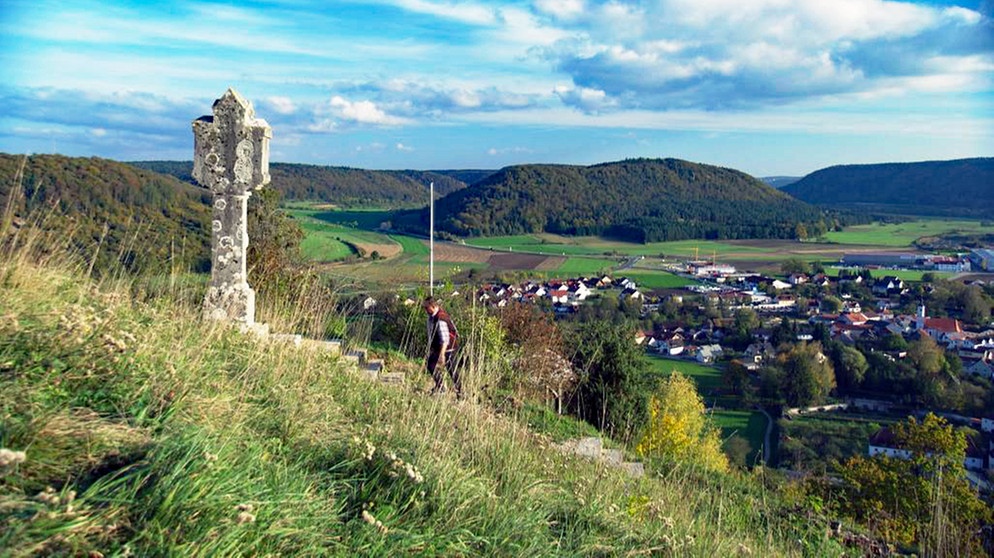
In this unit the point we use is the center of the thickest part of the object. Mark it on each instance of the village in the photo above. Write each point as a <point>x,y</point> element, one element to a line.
<point>742,321</point>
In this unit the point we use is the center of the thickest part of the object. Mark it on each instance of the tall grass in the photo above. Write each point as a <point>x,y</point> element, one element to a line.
<point>148,432</point>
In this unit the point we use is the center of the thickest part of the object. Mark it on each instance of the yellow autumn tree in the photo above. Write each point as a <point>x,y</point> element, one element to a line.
<point>679,428</point>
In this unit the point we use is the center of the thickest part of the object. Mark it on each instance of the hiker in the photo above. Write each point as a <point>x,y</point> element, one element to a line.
<point>443,341</point>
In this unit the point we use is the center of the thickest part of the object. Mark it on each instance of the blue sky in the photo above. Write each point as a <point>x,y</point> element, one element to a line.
<point>766,86</point>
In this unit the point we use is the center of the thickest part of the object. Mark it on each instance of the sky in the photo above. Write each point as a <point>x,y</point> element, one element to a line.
<point>770,87</point>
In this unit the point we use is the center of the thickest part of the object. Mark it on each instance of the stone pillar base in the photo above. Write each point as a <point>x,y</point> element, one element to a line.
<point>230,303</point>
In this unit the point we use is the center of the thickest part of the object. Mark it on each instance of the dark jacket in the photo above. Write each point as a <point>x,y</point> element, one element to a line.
<point>435,337</point>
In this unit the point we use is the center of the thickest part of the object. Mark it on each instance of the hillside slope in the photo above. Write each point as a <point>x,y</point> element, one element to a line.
<point>344,186</point>
<point>641,200</point>
<point>152,220</point>
<point>146,432</point>
<point>962,187</point>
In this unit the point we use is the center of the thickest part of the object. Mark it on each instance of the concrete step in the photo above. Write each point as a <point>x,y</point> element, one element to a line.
<point>352,359</point>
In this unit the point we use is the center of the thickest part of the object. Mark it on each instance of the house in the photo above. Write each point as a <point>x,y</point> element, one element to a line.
<point>853,319</point>
<point>941,329</point>
<point>706,354</point>
<point>578,291</point>
<point>671,343</point>
<point>889,285</point>
<point>560,296</point>
<point>797,279</point>
<point>780,285</point>
<point>987,423</point>
<point>760,352</point>
<point>631,293</point>
<point>981,368</point>
<point>883,443</point>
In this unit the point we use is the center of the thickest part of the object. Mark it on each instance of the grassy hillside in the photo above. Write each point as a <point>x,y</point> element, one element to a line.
<point>147,432</point>
<point>957,188</point>
<point>642,200</point>
<point>110,211</point>
<point>344,186</point>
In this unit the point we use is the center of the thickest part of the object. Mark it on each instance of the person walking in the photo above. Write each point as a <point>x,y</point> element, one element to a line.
<point>443,342</point>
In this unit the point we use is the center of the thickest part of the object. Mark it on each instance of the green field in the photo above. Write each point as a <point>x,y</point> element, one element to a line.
<point>750,425</point>
<point>321,244</point>
<point>412,246</point>
<point>707,378</point>
<point>585,266</point>
<point>903,274</point>
<point>657,279</point>
<point>903,234</point>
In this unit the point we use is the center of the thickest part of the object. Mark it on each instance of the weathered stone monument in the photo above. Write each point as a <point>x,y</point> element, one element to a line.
<point>231,158</point>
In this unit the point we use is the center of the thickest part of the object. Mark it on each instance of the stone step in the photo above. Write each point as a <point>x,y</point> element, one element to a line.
<point>632,468</point>
<point>589,447</point>
<point>361,354</point>
<point>332,346</point>
<point>376,364</point>
<point>612,456</point>
<point>393,377</point>
<point>352,359</point>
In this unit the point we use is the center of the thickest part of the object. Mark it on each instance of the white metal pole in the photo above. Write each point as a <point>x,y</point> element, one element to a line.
<point>431,240</point>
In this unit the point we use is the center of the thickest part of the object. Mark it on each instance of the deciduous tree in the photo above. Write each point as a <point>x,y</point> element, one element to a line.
<point>678,427</point>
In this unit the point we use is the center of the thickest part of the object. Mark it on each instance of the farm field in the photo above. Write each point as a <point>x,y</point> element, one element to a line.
<point>903,274</point>
<point>901,235</point>
<point>750,425</point>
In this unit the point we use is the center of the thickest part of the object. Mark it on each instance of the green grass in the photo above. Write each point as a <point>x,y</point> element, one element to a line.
<point>901,235</point>
<point>657,279</point>
<point>585,266</point>
<point>707,378</point>
<point>750,425</point>
<point>412,246</point>
<point>903,274</point>
<point>322,243</point>
<point>161,434</point>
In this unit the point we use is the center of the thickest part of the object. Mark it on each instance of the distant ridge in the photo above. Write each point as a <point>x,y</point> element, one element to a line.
<point>642,200</point>
<point>961,187</point>
<point>153,221</point>
<point>346,186</point>
<point>779,182</point>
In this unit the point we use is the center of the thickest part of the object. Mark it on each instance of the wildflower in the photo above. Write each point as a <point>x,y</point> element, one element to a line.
<point>48,496</point>
<point>368,518</point>
<point>668,521</point>
<point>414,474</point>
<point>244,507</point>
<point>689,540</point>
<point>210,457</point>
<point>744,550</point>
<point>11,457</point>
<point>245,517</point>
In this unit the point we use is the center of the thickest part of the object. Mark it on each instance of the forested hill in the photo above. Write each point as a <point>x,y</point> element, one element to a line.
<point>642,200</point>
<point>962,187</point>
<point>152,221</point>
<point>342,185</point>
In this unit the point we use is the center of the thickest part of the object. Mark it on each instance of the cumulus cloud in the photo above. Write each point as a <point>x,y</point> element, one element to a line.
<point>585,99</point>
<point>413,99</point>
<point>561,9</point>
<point>727,53</point>
<point>282,105</point>
<point>402,147</point>
<point>340,110</point>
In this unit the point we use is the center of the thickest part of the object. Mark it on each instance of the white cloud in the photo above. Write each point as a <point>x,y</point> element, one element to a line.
<point>402,147</point>
<point>466,12</point>
<point>362,112</point>
<point>282,105</point>
<point>561,9</point>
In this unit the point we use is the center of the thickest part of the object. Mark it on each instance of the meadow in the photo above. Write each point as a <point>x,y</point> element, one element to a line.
<point>148,431</point>
<point>902,235</point>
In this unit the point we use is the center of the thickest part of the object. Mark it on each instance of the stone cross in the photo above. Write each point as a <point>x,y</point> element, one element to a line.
<point>231,158</point>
